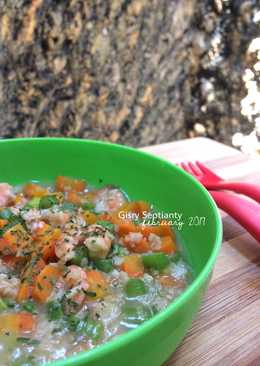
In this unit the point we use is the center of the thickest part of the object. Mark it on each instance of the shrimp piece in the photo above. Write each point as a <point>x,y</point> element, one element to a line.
<point>64,248</point>
<point>155,241</point>
<point>76,281</point>
<point>76,277</point>
<point>72,235</point>
<point>109,200</point>
<point>98,241</point>
<point>9,287</point>
<point>57,218</point>
<point>31,215</point>
<point>6,193</point>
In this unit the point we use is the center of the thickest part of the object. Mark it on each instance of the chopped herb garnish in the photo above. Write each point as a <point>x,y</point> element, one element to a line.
<point>25,361</point>
<point>29,341</point>
<point>90,293</point>
<point>107,225</point>
<point>12,221</point>
<point>118,250</point>
<point>29,306</point>
<point>72,322</point>
<point>54,310</point>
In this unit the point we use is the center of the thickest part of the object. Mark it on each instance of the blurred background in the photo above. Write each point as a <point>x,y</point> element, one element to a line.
<point>137,72</point>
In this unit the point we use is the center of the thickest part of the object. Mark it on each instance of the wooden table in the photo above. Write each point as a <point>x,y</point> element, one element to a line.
<point>227,329</point>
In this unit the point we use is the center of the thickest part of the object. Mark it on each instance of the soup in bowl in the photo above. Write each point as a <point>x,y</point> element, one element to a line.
<point>105,253</point>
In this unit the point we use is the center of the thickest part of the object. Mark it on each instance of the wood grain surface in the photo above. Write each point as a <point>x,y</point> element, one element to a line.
<point>227,329</point>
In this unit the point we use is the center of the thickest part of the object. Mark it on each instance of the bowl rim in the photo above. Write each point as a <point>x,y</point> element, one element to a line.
<point>118,342</point>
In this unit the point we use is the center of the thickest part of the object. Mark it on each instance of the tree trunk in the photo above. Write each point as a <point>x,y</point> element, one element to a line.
<point>129,71</point>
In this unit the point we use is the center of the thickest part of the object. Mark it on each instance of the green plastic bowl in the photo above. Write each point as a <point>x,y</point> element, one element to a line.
<point>145,177</point>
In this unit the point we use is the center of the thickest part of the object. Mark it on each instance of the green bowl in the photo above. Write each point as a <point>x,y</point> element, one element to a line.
<point>145,177</point>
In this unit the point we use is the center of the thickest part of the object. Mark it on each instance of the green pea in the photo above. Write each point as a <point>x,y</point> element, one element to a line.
<point>118,250</point>
<point>3,305</point>
<point>33,203</point>
<point>104,265</point>
<point>48,201</point>
<point>94,329</point>
<point>135,313</point>
<point>80,254</point>
<point>158,261</point>
<point>135,287</point>
<point>88,206</point>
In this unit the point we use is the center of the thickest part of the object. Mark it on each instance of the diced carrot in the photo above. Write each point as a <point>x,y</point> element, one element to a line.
<point>141,246</point>
<point>32,270</point>
<point>25,292</point>
<point>48,251</point>
<point>90,217</point>
<point>14,238</point>
<point>97,284</point>
<point>19,323</point>
<point>46,237</point>
<point>164,229</point>
<point>39,265</point>
<point>11,260</point>
<point>3,223</point>
<point>26,322</point>
<point>74,197</point>
<point>65,184</point>
<point>40,230</point>
<point>168,246</point>
<point>34,190</point>
<point>125,227</point>
<point>168,281</point>
<point>138,207</point>
<point>105,216</point>
<point>44,282</point>
<point>8,245</point>
<point>133,265</point>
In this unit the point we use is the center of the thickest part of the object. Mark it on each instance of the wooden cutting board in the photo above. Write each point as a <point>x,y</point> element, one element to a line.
<point>227,329</point>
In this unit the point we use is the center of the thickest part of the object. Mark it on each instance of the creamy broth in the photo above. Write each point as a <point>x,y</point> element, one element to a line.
<point>79,267</point>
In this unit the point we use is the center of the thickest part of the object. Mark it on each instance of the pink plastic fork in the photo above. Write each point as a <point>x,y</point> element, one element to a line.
<point>245,212</point>
<point>212,181</point>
